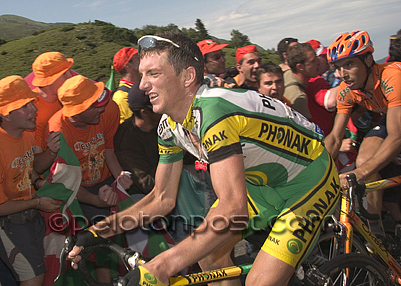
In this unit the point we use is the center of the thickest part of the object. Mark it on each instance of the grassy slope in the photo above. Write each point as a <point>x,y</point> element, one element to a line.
<point>15,27</point>
<point>86,43</point>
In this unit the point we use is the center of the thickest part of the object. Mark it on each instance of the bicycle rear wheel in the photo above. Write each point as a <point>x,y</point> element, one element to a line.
<point>355,269</point>
<point>331,245</point>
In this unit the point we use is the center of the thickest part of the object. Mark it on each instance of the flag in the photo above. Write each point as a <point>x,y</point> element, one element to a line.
<point>110,84</point>
<point>149,242</point>
<point>63,180</point>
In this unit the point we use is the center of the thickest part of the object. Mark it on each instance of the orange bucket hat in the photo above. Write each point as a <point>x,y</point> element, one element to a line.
<point>78,93</point>
<point>48,67</point>
<point>14,94</point>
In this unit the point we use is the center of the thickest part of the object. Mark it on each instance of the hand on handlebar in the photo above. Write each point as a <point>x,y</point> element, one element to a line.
<point>83,239</point>
<point>140,276</point>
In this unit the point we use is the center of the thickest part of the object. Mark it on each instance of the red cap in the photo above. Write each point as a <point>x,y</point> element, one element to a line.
<point>245,50</point>
<point>122,57</point>
<point>318,47</point>
<point>208,46</point>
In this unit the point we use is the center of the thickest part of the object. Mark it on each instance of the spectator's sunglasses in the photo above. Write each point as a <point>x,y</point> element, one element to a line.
<point>150,41</point>
<point>395,37</point>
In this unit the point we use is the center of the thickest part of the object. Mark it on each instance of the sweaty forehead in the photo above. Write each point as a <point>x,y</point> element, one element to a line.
<point>152,60</point>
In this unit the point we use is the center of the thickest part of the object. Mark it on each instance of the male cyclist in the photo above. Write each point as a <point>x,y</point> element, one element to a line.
<point>267,163</point>
<point>377,87</point>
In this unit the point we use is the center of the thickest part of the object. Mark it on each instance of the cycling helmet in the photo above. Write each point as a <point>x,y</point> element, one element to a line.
<point>350,45</point>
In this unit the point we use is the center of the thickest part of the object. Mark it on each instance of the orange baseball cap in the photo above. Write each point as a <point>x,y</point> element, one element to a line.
<point>208,46</point>
<point>245,50</point>
<point>78,93</point>
<point>48,67</point>
<point>14,94</point>
<point>318,47</point>
<point>122,57</point>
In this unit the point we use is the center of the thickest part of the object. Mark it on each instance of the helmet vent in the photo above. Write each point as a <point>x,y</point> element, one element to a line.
<point>355,45</point>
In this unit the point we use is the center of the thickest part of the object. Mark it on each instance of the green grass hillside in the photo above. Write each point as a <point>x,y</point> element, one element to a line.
<point>16,27</point>
<point>91,45</point>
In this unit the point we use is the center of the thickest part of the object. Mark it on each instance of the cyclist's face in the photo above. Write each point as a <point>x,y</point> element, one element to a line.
<point>161,83</point>
<point>352,71</point>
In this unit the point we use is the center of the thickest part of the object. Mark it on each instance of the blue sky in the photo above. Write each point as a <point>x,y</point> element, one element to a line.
<point>265,22</point>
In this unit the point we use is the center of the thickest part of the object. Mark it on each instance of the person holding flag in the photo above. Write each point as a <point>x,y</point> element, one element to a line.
<point>22,228</point>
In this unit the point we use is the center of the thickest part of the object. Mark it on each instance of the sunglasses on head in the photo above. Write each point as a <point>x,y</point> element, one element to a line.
<point>150,41</point>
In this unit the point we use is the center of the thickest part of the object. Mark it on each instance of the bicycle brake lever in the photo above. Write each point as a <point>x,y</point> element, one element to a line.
<point>68,245</point>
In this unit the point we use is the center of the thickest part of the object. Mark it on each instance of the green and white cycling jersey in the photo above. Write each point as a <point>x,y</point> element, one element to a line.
<point>277,142</point>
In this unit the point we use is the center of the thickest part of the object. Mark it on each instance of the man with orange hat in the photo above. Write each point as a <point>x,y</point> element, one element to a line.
<point>19,216</point>
<point>126,62</point>
<point>50,70</point>
<point>88,121</point>
<point>248,62</point>
<point>215,62</point>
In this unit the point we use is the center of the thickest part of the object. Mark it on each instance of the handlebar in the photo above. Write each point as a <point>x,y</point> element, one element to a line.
<point>358,189</point>
<point>130,258</point>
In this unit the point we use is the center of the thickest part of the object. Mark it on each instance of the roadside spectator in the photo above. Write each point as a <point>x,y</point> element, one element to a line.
<point>321,97</point>
<point>248,62</point>
<point>215,62</point>
<point>304,66</point>
<point>51,70</point>
<point>282,48</point>
<point>126,62</point>
<point>19,210</point>
<point>395,48</point>
<point>88,121</point>
<point>271,82</point>
<point>135,142</point>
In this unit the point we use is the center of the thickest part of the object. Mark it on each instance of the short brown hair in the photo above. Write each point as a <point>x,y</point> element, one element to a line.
<point>177,57</point>
<point>296,54</point>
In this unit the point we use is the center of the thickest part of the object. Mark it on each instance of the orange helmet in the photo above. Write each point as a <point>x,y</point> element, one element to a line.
<point>350,45</point>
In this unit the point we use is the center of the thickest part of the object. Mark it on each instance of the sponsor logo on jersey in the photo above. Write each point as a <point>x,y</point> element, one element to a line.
<point>294,246</point>
<point>317,211</point>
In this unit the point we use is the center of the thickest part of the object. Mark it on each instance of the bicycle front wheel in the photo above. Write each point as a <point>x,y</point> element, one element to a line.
<point>355,269</point>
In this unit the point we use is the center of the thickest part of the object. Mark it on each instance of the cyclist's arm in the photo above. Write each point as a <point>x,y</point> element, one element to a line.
<point>159,202</point>
<point>333,141</point>
<point>388,150</point>
<point>228,177</point>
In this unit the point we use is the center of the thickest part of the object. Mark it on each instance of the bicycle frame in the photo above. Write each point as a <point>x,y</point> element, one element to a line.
<point>350,219</point>
<point>210,276</point>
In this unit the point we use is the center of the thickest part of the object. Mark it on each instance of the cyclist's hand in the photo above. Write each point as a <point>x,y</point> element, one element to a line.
<point>83,239</point>
<point>74,256</point>
<point>140,276</point>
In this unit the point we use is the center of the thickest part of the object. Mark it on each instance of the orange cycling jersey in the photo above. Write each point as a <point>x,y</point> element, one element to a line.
<point>387,91</point>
